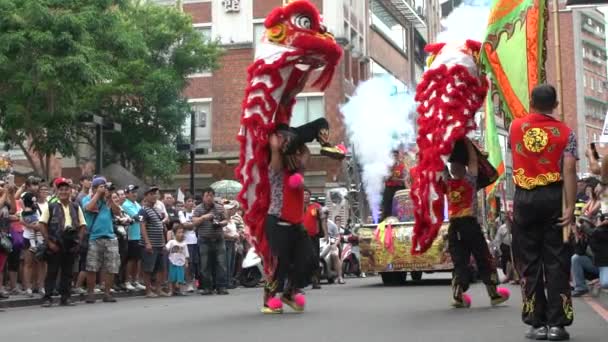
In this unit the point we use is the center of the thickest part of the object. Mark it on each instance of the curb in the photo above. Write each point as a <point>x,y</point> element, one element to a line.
<point>25,302</point>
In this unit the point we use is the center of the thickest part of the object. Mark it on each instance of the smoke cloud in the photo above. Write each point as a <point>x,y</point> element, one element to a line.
<point>378,119</point>
<point>467,21</point>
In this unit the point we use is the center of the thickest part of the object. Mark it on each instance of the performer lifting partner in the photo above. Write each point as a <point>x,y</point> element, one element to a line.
<point>287,238</point>
<point>465,236</point>
<point>544,154</point>
<point>394,183</point>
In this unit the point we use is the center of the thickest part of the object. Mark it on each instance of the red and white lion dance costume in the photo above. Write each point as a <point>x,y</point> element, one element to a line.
<point>451,91</point>
<point>295,45</point>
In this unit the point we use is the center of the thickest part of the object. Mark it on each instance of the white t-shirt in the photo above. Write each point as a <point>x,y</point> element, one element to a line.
<point>604,201</point>
<point>178,252</point>
<point>189,235</point>
<point>332,229</point>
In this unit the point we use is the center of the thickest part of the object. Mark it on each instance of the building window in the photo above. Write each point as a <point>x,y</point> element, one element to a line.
<point>592,83</point>
<point>205,32</point>
<point>585,81</point>
<point>202,112</point>
<point>307,109</point>
<point>389,26</point>
<point>258,33</point>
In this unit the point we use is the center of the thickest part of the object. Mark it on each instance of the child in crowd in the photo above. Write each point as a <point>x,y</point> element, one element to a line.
<point>178,257</point>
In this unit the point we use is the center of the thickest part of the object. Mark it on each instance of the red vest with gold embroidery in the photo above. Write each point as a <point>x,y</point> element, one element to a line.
<point>460,198</point>
<point>537,145</point>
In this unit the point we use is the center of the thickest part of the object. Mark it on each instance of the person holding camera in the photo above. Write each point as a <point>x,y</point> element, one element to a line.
<point>208,218</point>
<point>103,251</point>
<point>62,226</point>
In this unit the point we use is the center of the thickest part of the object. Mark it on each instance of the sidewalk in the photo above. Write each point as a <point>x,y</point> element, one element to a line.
<point>23,301</point>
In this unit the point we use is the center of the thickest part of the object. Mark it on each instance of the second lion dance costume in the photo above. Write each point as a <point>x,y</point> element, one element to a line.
<point>295,44</point>
<point>450,93</point>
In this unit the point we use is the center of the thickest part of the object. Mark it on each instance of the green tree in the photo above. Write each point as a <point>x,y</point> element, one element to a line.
<point>146,95</point>
<point>48,58</point>
<point>120,59</point>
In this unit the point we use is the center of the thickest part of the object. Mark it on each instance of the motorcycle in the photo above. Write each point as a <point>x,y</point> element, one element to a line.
<point>252,269</point>
<point>350,261</point>
<point>326,266</point>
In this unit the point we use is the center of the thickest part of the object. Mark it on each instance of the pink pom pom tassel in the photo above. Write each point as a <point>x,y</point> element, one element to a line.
<point>274,303</point>
<point>300,300</point>
<point>295,181</point>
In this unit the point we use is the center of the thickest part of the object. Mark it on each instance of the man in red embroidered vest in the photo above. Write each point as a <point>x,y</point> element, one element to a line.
<point>394,183</point>
<point>465,236</point>
<point>544,154</point>
<point>315,228</point>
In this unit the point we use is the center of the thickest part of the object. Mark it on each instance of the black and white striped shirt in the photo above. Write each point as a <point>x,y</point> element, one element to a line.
<point>154,226</point>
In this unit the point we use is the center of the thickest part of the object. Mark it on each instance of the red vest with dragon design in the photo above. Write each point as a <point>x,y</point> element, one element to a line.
<point>537,143</point>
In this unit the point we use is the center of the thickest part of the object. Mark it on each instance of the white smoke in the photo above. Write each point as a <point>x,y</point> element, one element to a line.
<point>467,21</point>
<point>378,120</point>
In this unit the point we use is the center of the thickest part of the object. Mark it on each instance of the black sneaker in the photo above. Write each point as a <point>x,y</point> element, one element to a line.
<point>90,299</point>
<point>47,302</point>
<point>109,299</point>
<point>206,292</point>
<point>222,291</point>
<point>67,302</point>
<point>579,293</point>
<point>558,334</point>
<point>538,333</point>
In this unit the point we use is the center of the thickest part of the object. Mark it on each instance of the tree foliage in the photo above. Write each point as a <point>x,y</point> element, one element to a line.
<point>122,60</point>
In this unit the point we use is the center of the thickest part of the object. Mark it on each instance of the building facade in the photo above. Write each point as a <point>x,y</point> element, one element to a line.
<point>584,74</point>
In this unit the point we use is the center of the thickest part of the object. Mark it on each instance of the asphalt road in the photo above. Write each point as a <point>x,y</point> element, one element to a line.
<point>362,310</point>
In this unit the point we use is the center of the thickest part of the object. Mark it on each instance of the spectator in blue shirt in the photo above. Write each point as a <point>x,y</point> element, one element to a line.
<point>132,208</point>
<point>103,254</point>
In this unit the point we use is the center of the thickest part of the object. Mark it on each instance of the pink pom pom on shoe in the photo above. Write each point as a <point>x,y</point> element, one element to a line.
<point>300,300</point>
<point>296,181</point>
<point>504,292</point>
<point>274,303</point>
<point>467,300</point>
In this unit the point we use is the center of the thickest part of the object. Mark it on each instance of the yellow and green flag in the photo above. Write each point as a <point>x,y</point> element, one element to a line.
<point>513,55</point>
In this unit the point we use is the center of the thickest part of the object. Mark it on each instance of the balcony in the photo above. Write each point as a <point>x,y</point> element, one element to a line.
<point>590,29</point>
<point>406,13</point>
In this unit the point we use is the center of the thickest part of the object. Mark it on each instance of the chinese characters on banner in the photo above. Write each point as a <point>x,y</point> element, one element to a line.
<point>231,5</point>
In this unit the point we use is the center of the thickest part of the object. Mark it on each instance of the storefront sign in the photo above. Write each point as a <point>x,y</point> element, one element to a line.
<point>231,6</point>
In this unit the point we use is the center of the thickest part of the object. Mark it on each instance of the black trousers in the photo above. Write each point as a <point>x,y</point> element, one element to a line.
<point>306,133</point>
<point>541,257</point>
<point>465,238</point>
<point>315,255</point>
<point>291,246</point>
<point>61,262</point>
<point>387,200</point>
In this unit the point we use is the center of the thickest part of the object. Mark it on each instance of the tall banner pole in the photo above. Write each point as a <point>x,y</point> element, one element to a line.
<point>566,231</point>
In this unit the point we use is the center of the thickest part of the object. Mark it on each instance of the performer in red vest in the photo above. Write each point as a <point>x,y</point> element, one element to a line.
<point>544,154</point>
<point>465,236</point>
<point>394,183</point>
<point>316,230</point>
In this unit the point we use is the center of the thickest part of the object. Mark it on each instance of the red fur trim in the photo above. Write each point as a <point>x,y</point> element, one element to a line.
<point>434,48</point>
<point>281,14</point>
<point>466,95</point>
<point>473,45</point>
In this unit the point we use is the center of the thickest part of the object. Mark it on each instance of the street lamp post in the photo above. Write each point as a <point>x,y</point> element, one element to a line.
<point>192,149</point>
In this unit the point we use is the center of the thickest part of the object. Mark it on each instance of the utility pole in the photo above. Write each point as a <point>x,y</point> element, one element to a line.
<point>192,149</point>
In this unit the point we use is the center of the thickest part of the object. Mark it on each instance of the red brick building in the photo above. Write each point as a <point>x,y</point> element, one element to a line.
<point>584,73</point>
<point>378,37</point>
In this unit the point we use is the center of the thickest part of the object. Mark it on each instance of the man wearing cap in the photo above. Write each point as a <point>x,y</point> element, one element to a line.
<point>153,240</point>
<point>209,220</point>
<point>103,251</point>
<point>132,208</point>
<point>85,188</point>
<point>62,224</point>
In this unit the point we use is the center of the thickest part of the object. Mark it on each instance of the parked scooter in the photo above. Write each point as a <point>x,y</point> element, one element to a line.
<point>350,261</point>
<point>328,270</point>
<point>252,271</point>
